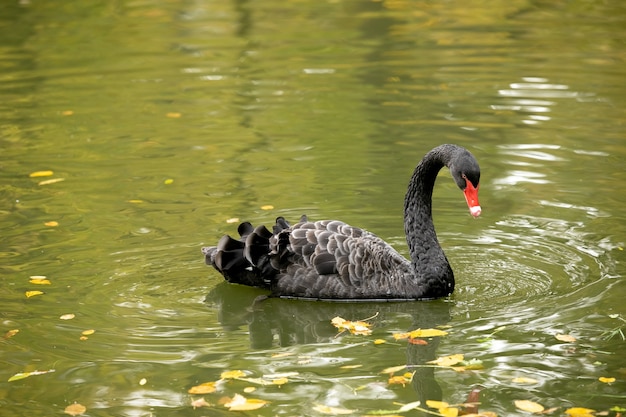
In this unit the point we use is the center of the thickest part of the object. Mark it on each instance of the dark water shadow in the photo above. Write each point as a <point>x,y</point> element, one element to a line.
<point>274,322</point>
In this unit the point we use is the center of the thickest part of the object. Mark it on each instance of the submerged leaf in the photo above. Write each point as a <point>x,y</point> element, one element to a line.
<point>530,406</point>
<point>524,380</point>
<point>10,333</point>
<point>200,402</point>
<point>75,409</point>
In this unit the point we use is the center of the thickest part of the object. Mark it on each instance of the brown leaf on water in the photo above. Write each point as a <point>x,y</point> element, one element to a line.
<point>10,333</point>
<point>204,388</point>
<point>530,406</point>
<point>565,338</point>
<point>75,409</point>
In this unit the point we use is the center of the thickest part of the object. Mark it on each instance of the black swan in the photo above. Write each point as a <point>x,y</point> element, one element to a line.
<point>329,259</point>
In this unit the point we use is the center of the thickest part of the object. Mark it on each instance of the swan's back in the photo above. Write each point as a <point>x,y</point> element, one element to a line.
<point>326,259</point>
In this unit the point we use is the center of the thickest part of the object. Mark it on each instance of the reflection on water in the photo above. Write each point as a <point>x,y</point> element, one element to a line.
<point>168,118</point>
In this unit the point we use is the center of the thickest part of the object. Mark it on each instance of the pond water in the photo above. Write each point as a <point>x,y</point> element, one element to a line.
<point>163,122</point>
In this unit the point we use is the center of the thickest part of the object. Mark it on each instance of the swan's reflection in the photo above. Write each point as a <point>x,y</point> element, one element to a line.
<point>274,322</point>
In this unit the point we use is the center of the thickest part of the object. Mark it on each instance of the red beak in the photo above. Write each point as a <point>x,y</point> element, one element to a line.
<point>471,196</point>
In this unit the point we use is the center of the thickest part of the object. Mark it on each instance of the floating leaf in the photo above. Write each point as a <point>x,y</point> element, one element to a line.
<point>530,406</point>
<point>248,390</point>
<point>232,220</point>
<point>393,369</point>
<point>50,181</point>
<point>232,374</point>
<point>565,338</point>
<point>280,381</point>
<point>10,333</point>
<point>241,403</point>
<point>355,327</point>
<point>88,332</point>
<point>51,224</point>
<point>204,388</point>
<point>420,333</point>
<point>37,277</point>
<point>579,412</point>
<point>200,402</point>
<point>75,409</point>
<point>67,112</point>
<point>39,281</point>
<point>41,174</point>
<point>33,293</point>
<point>437,404</point>
<point>325,409</point>
<point>403,409</point>
<point>401,379</point>
<point>379,341</point>
<point>449,411</point>
<point>135,201</point>
<point>143,381</point>
<point>350,366</point>
<point>69,316</point>
<point>173,115</point>
<point>267,207</point>
<point>448,360</point>
<point>168,181</point>
<point>417,341</point>
<point>606,380</point>
<point>524,380</point>
<point>22,375</point>
<point>471,365</point>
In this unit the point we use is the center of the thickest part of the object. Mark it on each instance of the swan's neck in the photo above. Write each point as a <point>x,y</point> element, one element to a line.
<point>432,269</point>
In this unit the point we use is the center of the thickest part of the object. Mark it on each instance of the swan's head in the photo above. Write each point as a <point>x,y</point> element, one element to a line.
<point>466,174</point>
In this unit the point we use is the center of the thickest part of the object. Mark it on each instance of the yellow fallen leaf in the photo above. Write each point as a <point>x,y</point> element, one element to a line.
<point>448,360</point>
<point>280,381</point>
<point>420,333</point>
<point>524,380</point>
<point>88,332</point>
<point>241,403</point>
<point>350,366</point>
<point>39,281</point>
<point>51,181</point>
<point>232,220</point>
<point>168,181</point>
<point>579,412</point>
<point>267,207</point>
<point>75,409</point>
<point>143,381</point>
<point>449,411</point>
<point>135,201</point>
<point>51,223</point>
<point>173,115</point>
<point>33,293</point>
<point>606,380</point>
<point>393,369</point>
<point>325,409</point>
<point>248,390</point>
<point>354,327</point>
<point>10,333</point>
<point>67,112</point>
<point>69,316</point>
<point>530,406</point>
<point>379,341</point>
<point>22,375</point>
<point>204,388</point>
<point>200,402</point>
<point>232,374</point>
<point>437,404</point>
<point>41,174</point>
<point>401,379</point>
<point>565,338</point>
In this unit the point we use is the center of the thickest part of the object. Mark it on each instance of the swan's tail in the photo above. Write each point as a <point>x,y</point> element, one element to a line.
<point>246,260</point>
